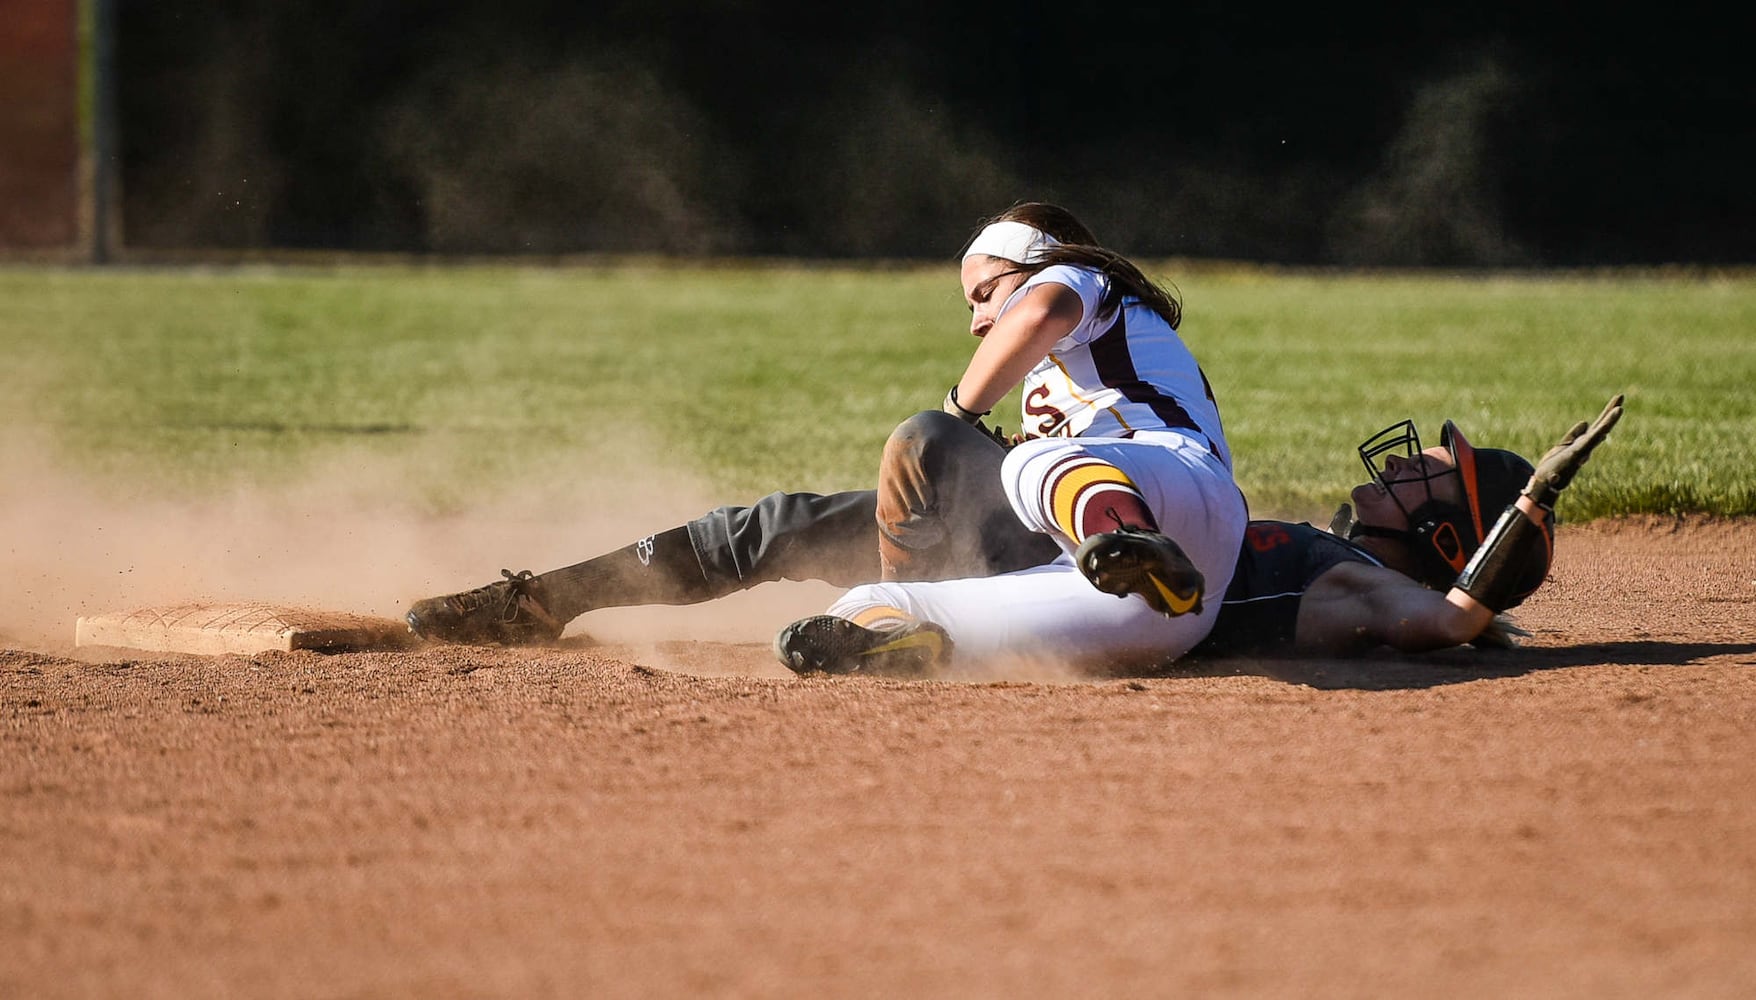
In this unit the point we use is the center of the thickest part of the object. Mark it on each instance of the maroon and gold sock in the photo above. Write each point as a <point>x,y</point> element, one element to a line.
<point>1087,496</point>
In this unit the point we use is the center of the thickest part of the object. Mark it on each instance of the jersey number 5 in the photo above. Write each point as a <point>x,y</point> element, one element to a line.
<point>1263,537</point>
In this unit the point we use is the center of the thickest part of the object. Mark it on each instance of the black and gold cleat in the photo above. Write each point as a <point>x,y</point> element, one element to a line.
<point>831,645</point>
<point>1137,561</point>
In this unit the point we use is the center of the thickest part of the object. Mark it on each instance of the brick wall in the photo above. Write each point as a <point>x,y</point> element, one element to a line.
<point>39,124</point>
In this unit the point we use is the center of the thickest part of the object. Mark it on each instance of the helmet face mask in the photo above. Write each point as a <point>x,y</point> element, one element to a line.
<point>1402,440</point>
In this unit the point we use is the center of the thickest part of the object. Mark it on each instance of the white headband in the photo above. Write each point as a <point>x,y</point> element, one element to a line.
<point>1013,241</point>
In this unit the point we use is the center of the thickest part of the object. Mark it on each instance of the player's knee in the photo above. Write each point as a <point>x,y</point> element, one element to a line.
<point>931,443</point>
<point>927,430</point>
<point>909,441</point>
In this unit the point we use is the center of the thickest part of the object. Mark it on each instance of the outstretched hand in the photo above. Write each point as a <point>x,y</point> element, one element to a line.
<point>1562,462</point>
<point>1342,524</point>
<point>1501,633</point>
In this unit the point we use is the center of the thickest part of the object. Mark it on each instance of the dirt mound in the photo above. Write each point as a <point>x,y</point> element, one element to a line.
<point>1574,818</point>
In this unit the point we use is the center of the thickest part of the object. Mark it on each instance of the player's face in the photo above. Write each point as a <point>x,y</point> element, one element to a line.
<point>1406,480</point>
<point>987,283</point>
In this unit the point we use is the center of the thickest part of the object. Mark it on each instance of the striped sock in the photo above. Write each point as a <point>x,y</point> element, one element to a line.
<point>882,616</point>
<point>1085,496</point>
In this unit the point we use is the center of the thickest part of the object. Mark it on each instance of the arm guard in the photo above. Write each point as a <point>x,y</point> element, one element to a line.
<point>1510,564</point>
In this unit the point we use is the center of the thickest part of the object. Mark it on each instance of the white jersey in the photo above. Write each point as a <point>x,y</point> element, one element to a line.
<point>1119,400</point>
<point>1116,374</point>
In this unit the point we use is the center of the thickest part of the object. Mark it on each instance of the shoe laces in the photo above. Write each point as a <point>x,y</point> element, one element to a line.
<point>519,584</point>
<point>527,598</point>
<point>515,585</point>
<point>1126,529</point>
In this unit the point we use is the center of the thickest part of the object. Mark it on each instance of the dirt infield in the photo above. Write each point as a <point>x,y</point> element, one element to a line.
<point>1575,818</point>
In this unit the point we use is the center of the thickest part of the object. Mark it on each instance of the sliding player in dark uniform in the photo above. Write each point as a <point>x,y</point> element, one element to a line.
<point>1431,547</point>
<point>1302,589</point>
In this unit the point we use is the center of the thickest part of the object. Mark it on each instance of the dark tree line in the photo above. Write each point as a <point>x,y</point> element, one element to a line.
<point>1392,135</point>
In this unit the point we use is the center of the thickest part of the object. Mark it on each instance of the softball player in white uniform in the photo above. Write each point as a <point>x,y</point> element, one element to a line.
<point>1124,434</point>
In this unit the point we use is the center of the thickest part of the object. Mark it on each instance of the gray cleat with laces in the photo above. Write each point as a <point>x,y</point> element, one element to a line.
<point>507,612</point>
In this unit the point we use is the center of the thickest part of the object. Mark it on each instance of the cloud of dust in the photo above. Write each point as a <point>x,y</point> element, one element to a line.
<point>348,535</point>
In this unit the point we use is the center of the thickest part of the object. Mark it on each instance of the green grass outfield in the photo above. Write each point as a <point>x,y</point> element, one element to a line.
<point>789,377</point>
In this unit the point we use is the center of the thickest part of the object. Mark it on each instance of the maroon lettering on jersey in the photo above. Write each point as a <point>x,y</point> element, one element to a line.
<point>1035,406</point>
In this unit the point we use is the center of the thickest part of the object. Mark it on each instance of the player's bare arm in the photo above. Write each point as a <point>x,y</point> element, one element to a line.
<point>1357,606</point>
<point>1017,342</point>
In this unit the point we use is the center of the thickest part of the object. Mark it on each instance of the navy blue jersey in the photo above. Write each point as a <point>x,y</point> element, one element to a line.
<point>1276,565</point>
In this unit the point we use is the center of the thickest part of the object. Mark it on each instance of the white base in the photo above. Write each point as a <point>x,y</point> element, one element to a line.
<point>240,627</point>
